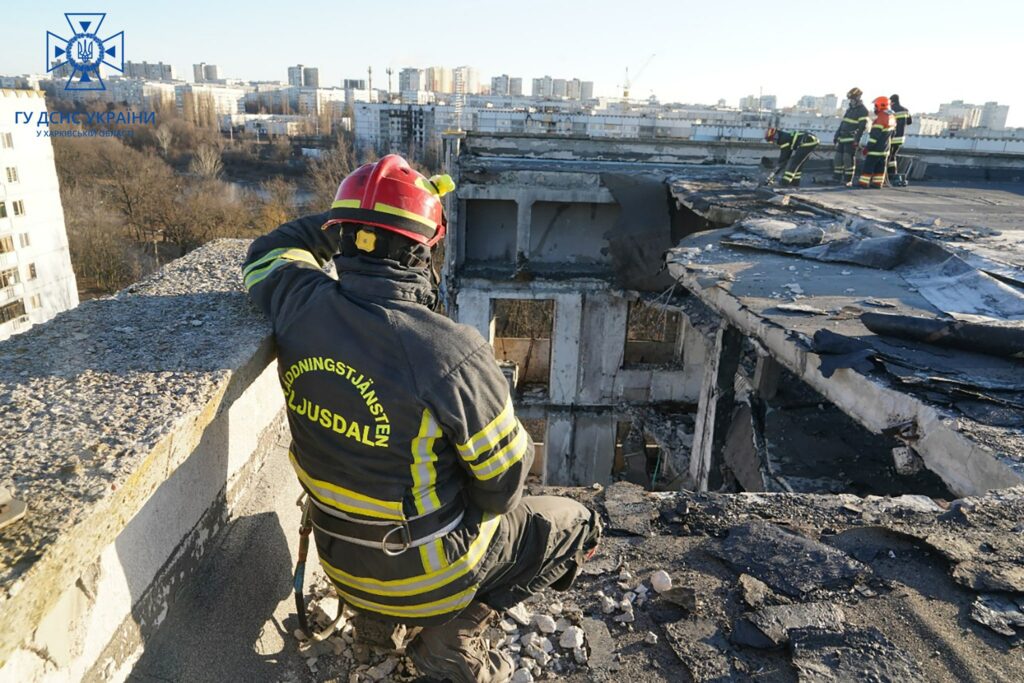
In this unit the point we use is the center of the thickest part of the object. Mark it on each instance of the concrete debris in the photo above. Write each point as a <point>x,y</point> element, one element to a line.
<point>682,596</point>
<point>572,638</point>
<point>520,614</point>
<point>853,655</point>
<point>651,638</point>
<point>786,561</point>
<point>787,232</point>
<point>661,581</point>
<point>1002,614</point>
<point>906,461</point>
<point>544,623</point>
<point>522,676</point>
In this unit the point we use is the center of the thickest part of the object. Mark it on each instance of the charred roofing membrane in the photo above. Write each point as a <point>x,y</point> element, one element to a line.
<point>802,272</point>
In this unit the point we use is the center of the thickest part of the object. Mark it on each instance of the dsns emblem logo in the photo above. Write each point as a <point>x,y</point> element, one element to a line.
<point>81,55</point>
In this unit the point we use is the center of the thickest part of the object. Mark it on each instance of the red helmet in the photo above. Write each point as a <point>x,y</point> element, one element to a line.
<point>389,194</point>
<point>769,135</point>
<point>881,103</point>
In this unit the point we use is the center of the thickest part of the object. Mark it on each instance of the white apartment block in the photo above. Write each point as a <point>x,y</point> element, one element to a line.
<point>226,99</point>
<point>36,279</point>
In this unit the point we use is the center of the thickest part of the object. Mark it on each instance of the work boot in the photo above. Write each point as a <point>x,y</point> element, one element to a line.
<point>456,651</point>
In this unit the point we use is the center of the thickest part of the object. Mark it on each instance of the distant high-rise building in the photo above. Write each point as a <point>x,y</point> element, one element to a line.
<point>993,115</point>
<point>829,104</point>
<point>354,84</point>
<point>558,87</point>
<point>199,73</point>
<point>211,72</point>
<point>470,78</point>
<point>769,102</point>
<point>542,87</point>
<point>149,72</point>
<point>587,90</point>
<point>439,79</point>
<point>36,279</point>
<point>515,87</point>
<point>410,79</point>
<point>572,89</point>
<point>499,85</point>
<point>311,77</point>
<point>750,103</point>
<point>295,75</point>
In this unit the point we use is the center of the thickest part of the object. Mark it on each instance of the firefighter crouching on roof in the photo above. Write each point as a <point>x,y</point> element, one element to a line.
<point>847,138</point>
<point>877,152</point>
<point>796,147</point>
<point>403,430</point>
<point>903,119</point>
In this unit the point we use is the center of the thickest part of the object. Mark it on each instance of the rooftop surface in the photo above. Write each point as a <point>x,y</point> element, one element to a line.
<point>802,272</point>
<point>766,587</point>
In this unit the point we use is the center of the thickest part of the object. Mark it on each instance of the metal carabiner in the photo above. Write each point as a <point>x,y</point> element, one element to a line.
<point>404,526</point>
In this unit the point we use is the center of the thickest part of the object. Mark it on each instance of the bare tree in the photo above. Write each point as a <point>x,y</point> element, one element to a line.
<point>206,162</point>
<point>164,137</point>
<point>326,172</point>
<point>276,203</point>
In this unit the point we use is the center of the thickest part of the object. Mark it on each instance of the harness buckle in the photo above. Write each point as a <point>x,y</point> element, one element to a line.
<point>406,541</point>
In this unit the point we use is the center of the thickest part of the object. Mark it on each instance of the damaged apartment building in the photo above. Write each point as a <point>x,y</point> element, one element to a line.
<point>634,354</point>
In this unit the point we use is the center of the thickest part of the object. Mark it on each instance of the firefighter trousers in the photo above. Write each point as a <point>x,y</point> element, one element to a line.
<point>872,174</point>
<point>893,165</point>
<point>542,544</point>
<point>791,176</point>
<point>845,162</point>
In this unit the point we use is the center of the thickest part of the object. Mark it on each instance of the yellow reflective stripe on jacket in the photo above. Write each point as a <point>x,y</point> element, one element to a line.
<point>430,581</point>
<point>454,603</point>
<point>846,120</point>
<point>395,211</point>
<point>424,474</point>
<point>433,557</point>
<point>258,270</point>
<point>347,500</point>
<point>346,204</point>
<point>509,455</point>
<point>902,114</point>
<point>491,435</point>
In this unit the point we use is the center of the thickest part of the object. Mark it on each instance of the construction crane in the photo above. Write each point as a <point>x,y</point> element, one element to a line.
<point>628,83</point>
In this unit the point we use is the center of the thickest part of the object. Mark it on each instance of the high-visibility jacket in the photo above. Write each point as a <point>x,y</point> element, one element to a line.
<point>880,136</point>
<point>903,119</point>
<point>398,416</point>
<point>790,141</point>
<point>854,122</point>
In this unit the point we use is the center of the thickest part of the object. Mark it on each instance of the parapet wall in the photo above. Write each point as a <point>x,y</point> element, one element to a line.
<point>129,425</point>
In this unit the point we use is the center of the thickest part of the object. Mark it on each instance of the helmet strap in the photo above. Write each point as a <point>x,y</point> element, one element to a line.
<point>366,240</point>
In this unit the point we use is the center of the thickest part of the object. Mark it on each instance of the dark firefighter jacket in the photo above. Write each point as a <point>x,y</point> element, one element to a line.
<point>396,413</point>
<point>790,141</point>
<point>881,134</point>
<point>854,122</point>
<point>903,119</point>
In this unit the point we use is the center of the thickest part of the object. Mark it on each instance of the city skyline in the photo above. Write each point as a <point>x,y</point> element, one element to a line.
<point>695,60</point>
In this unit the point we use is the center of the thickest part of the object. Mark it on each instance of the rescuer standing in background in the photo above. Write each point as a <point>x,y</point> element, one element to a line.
<point>877,152</point>
<point>796,147</point>
<point>403,431</point>
<point>846,139</point>
<point>903,119</point>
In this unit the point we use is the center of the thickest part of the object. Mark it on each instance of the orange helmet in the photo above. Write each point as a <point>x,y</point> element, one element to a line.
<point>389,194</point>
<point>881,103</point>
<point>769,135</point>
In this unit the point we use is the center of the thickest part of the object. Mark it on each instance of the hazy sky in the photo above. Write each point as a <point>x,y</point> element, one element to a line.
<point>928,52</point>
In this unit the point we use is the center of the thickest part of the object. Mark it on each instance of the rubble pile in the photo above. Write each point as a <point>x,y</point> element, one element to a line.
<point>763,587</point>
